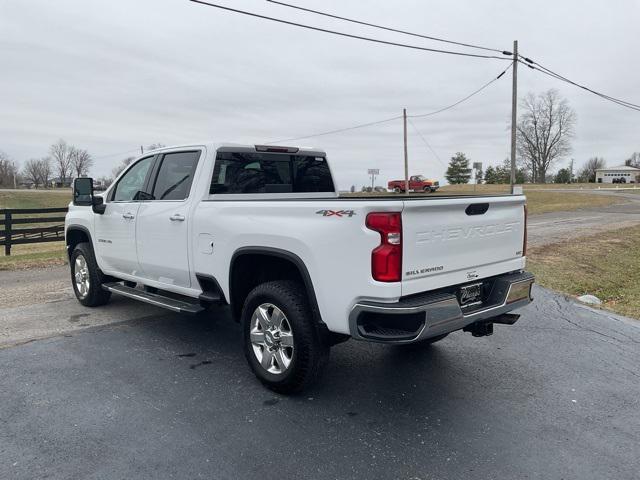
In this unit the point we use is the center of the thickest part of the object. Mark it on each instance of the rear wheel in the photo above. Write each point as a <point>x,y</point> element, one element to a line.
<point>86,277</point>
<point>397,189</point>
<point>282,343</point>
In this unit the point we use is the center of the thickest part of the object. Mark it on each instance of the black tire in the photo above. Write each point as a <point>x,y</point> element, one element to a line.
<point>426,189</point>
<point>309,352</point>
<point>95,295</point>
<point>397,190</point>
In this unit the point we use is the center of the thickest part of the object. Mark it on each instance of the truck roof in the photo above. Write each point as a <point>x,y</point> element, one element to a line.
<point>240,147</point>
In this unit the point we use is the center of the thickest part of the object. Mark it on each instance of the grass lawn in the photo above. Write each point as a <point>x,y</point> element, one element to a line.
<point>606,265</point>
<point>543,202</point>
<point>33,255</point>
<point>35,198</point>
<point>36,254</point>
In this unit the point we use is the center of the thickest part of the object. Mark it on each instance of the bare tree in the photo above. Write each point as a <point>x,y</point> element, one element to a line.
<point>8,171</point>
<point>124,164</point>
<point>44,165</point>
<point>588,171</point>
<point>545,129</point>
<point>31,171</point>
<point>633,160</point>
<point>81,161</point>
<point>61,155</point>
<point>155,146</point>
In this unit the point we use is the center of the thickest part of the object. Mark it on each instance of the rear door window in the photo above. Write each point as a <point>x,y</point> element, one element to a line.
<point>175,175</point>
<point>239,172</point>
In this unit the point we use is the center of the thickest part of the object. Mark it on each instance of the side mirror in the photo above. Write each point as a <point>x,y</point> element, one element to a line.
<point>142,196</point>
<point>98,205</point>
<point>83,195</point>
<point>83,191</point>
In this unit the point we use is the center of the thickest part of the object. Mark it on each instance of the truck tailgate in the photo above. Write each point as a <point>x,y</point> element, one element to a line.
<point>450,241</point>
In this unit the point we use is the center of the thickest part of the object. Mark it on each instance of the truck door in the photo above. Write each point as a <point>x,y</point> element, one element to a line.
<point>115,230</point>
<point>162,230</point>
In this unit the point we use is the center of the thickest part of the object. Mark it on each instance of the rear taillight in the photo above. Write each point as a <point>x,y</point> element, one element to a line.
<point>386,258</point>
<point>524,241</point>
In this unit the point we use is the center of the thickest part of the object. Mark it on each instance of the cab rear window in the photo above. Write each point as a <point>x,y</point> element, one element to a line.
<point>240,172</point>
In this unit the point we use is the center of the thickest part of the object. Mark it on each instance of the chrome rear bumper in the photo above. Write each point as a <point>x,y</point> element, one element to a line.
<point>428,315</point>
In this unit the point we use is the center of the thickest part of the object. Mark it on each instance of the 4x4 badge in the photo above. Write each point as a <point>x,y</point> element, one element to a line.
<point>337,213</point>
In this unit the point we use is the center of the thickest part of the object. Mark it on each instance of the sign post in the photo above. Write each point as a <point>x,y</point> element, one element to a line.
<point>373,173</point>
<point>477,167</point>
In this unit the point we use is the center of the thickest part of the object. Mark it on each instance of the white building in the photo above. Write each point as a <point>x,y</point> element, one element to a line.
<point>621,174</point>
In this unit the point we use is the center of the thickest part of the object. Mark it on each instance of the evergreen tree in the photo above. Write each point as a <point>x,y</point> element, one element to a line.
<point>458,171</point>
<point>490,175</point>
<point>502,174</point>
<point>563,176</point>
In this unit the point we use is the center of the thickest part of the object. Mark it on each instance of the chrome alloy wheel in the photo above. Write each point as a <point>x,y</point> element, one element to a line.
<point>271,338</point>
<point>81,276</point>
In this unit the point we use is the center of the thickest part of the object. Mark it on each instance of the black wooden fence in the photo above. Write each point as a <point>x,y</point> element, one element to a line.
<point>9,235</point>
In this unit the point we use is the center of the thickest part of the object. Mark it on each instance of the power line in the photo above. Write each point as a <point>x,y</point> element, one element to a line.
<point>349,35</point>
<point>475,92</point>
<point>622,103</point>
<point>404,32</point>
<point>536,66</point>
<point>340,130</point>
<point>553,74</point>
<point>560,77</point>
<point>426,143</point>
<point>362,125</point>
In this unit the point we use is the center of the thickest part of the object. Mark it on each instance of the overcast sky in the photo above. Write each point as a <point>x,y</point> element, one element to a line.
<point>109,76</point>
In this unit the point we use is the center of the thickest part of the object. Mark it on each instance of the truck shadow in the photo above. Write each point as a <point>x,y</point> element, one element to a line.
<point>361,377</point>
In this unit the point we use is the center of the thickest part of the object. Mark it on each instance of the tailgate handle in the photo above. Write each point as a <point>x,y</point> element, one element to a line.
<point>477,209</point>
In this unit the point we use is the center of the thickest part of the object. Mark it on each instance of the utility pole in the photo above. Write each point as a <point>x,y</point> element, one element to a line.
<point>406,153</point>
<point>571,172</point>
<point>514,116</point>
<point>141,150</point>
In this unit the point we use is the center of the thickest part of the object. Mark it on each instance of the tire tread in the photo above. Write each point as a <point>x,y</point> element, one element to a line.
<point>312,352</point>
<point>97,295</point>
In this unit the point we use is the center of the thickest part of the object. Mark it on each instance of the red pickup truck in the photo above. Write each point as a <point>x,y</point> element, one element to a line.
<point>417,183</point>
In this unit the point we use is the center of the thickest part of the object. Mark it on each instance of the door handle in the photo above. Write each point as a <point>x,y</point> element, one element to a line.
<point>176,217</point>
<point>128,216</point>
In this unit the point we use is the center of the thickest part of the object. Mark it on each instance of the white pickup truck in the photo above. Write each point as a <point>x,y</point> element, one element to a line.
<point>262,229</point>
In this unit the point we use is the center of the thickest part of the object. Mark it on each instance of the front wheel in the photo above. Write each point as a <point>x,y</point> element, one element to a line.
<point>86,277</point>
<point>282,343</point>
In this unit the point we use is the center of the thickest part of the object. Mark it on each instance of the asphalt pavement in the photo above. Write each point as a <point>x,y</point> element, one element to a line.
<point>130,391</point>
<point>163,395</point>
